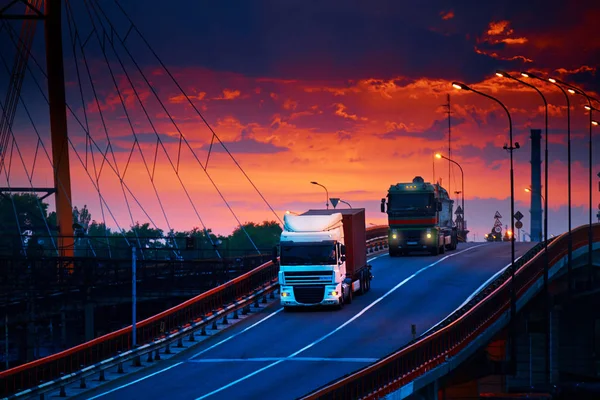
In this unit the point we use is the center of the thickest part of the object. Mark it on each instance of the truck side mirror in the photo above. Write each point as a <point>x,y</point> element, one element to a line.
<point>439,206</point>
<point>343,258</point>
<point>382,205</point>
<point>343,249</point>
<point>274,255</point>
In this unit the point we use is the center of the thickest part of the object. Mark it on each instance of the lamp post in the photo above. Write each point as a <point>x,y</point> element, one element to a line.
<point>574,90</point>
<point>545,198</point>
<point>345,202</point>
<point>510,148</point>
<point>326,193</point>
<point>570,245</point>
<point>440,156</point>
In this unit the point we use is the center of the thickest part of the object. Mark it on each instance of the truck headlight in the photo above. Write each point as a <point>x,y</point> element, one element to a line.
<point>285,294</point>
<point>394,236</point>
<point>429,236</point>
<point>333,293</point>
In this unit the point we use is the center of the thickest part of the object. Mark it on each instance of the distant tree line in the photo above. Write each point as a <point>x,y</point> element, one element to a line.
<point>27,227</point>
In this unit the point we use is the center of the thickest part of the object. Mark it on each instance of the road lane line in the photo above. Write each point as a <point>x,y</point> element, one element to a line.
<point>364,310</point>
<point>475,293</point>
<point>264,359</point>
<point>237,334</point>
<point>205,350</point>
<point>136,381</point>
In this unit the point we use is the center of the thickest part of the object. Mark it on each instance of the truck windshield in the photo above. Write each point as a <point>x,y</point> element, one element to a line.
<point>409,202</point>
<point>307,254</point>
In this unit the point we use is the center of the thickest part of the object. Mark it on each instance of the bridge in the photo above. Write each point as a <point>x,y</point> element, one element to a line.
<point>430,326</point>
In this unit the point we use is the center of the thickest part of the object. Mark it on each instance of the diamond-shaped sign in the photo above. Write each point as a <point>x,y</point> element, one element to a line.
<point>497,215</point>
<point>518,215</point>
<point>334,201</point>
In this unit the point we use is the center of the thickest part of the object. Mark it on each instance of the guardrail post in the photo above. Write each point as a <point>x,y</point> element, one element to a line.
<point>42,396</point>
<point>272,295</point>
<point>82,384</point>
<point>180,341</point>
<point>192,338</point>
<point>63,393</point>
<point>157,355</point>
<point>168,348</point>
<point>264,300</point>
<point>120,368</point>
<point>101,378</point>
<point>203,332</point>
<point>149,359</point>
<point>256,302</point>
<point>136,361</point>
<point>235,314</point>
<point>245,310</point>
<point>225,322</point>
<point>214,325</point>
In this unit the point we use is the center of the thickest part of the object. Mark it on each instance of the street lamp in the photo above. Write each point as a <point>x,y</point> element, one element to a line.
<point>510,148</point>
<point>574,90</point>
<point>529,190</point>
<point>345,202</point>
<point>326,193</point>
<point>545,198</point>
<point>570,245</point>
<point>440,156</point>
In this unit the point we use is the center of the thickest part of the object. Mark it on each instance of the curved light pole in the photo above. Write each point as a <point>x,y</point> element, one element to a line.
<point>439,155</point>
<point>510,148</point>
<point>345,202</point>
<point>504,74</point>
<point>574,90</point>
<point>326,193</point>
<point>570,245</point>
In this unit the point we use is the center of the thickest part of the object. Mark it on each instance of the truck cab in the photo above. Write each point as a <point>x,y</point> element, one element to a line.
<point>315,268</point>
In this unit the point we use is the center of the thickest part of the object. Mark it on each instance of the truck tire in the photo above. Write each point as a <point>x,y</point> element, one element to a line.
<point>435,250</point>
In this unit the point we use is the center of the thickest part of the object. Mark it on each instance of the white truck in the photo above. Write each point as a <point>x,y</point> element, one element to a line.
<point>323,258</point>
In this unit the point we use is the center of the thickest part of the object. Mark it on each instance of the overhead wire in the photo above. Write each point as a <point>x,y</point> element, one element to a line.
<point>105,129</point>
<point>214,134</point>
<point>116,34</point>
<point>136,141</point>
<point>35,80</point>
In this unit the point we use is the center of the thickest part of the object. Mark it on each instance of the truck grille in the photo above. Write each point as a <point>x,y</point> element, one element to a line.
<point>309,294</point>
<point>412,235</point>
<point>308,277</point>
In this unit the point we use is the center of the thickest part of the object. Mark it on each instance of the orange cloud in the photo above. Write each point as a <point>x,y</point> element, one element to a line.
<point>446,15</point>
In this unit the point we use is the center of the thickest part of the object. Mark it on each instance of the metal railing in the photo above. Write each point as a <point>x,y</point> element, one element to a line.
<point>398,369</point>
<point>167,323</point>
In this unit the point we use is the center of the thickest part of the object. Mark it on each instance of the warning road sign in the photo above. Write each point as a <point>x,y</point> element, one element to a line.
<point>518,215</point>
<point>497,215</point>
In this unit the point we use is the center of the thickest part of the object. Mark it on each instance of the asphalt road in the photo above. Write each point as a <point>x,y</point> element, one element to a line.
<point>289,354</point>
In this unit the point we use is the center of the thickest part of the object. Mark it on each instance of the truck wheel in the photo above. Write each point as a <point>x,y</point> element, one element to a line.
<point>443,249</point>
<point>341,304</point>
<point>435,250</point>
<point>349,300</point>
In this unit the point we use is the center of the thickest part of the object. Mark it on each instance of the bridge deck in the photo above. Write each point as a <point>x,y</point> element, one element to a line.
<point>324,344</point>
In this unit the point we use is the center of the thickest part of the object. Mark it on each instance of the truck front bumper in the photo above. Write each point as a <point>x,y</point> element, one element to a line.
<point>307,296</point>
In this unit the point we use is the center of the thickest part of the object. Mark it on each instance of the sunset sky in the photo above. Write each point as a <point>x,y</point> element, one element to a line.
<point>348,94</point>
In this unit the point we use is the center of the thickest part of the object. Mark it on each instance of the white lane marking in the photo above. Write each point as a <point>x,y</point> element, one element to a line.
<point>475,293</point>
<point>237,334</point>
<point>364,310</point>
<point>136,381</point>
<point>263,359</point>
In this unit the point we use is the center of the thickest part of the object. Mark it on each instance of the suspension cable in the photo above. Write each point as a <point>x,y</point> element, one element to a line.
<point>175,125</point>
<point>191,103</point>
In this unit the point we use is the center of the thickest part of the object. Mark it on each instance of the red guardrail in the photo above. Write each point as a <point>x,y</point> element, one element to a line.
<point>398,369</point>
<point>148,330</point>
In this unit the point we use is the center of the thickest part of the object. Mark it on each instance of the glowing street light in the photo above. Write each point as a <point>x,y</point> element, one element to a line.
<point>440,156</point>
<point>326,193</point>
<point>570,243</point>
<point>510,148</point>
